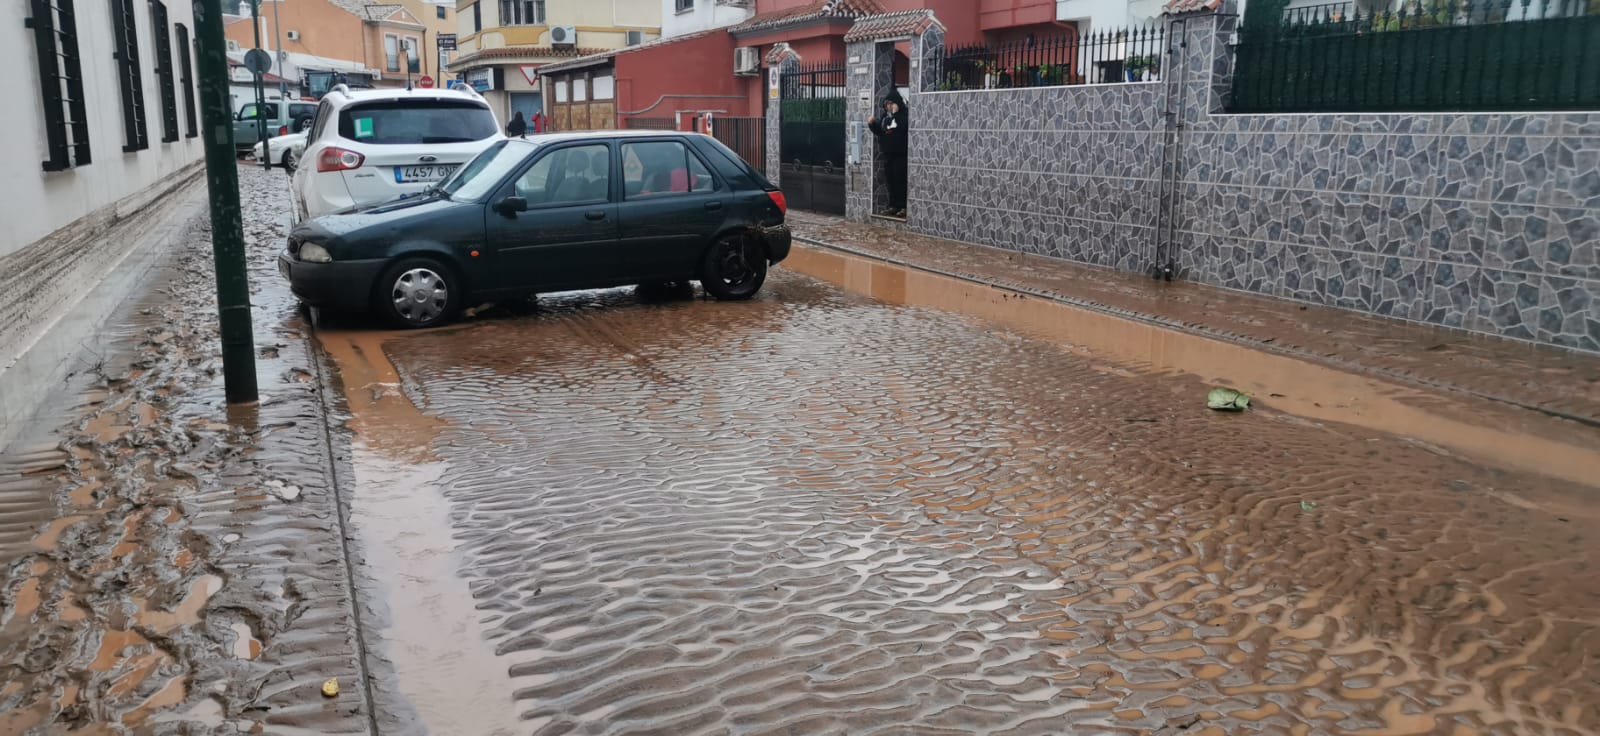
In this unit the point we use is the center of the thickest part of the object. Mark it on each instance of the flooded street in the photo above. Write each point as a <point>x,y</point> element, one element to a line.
<point>875,499</point>
<point>910,503</point>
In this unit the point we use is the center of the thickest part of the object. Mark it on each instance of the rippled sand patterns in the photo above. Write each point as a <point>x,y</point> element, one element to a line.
<point>814,513</point>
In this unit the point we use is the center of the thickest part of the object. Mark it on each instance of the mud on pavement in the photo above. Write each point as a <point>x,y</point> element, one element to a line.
<point>179,566</point>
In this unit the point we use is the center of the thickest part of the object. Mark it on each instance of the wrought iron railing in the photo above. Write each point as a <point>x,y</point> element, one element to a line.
<point>641,123</point>
<point>1429,55</point>
<point>1106,57</point>
<point>746,136</point>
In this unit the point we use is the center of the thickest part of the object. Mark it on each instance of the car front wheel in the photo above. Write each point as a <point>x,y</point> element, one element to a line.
<point>288,161</point>
<point>734,269</point>
<point>418,292</point>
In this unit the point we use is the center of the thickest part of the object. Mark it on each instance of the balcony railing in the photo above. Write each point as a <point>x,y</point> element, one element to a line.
<point>1131,55</point>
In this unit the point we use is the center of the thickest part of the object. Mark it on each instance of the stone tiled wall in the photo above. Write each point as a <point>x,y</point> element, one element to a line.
<point>1070,172</point>
<point>1484,222</point>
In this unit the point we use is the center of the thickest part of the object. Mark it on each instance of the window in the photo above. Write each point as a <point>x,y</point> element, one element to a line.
<point>186,80</point>
<point>320,121</point>
<point>391,52</point>
<point>663,168</point>
<point>55,37</point>
<point>561,91</point>
<point>438,12</point>
<point>251,112</point>
<point>522,12</point>
<point>684,6</point>
<point>580,90</point>
<point>413,58</point>
<point>568,176</point>
<point>169,96</point>
<point>410,122</point>
<point>129,77</point>
<point>605,87</point>
<point>634,38</point>
<point>477,16</point>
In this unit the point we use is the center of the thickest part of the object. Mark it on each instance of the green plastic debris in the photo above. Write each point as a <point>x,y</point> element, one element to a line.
<point>1307,506</point>
<point>1227,399</point>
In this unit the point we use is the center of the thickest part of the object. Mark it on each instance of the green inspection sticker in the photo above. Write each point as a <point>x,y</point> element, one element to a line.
<point>363,127</point>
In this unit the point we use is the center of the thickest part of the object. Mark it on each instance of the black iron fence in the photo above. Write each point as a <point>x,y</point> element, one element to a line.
<point>650,123</point>
<point>1105,57</point>
<point>1430,55</point>
<point>746,136</point>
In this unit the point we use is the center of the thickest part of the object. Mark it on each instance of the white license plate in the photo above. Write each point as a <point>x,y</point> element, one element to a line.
<point>436,172</point>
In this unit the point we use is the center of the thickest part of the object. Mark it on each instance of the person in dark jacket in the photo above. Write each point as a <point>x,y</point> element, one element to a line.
<point>517,128</point>
<point>893,130</point>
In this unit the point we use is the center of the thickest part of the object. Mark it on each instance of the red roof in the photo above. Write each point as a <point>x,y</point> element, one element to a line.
<point>1179,7</point>
<point>891,25</point>
<point>815,10</point>
<point>507,52</point>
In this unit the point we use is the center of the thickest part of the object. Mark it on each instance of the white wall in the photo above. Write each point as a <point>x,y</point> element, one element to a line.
<point>33,203</point>
<point>1108,15</point>
<point>706,15</point>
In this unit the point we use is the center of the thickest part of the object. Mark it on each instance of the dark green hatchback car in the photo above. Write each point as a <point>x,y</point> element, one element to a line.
<point>549,213</point>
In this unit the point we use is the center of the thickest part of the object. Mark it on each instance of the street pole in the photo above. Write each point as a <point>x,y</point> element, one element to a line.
<point>261,90</point>
<point>227,221</point>
<point>278,54</point>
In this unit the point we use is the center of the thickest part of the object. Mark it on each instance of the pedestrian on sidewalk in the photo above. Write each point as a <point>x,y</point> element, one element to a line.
<point>893,131</point>
<point>517,128</point>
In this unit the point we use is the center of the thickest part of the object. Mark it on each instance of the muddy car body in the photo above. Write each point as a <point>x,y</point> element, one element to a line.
<point>549,213</point>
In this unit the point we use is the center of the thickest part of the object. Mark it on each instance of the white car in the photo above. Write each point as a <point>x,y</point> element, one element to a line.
<point>285,150</point>
<point>372,146</point>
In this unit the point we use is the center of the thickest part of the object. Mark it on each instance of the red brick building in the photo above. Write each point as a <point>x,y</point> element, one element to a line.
<point>677,82</point>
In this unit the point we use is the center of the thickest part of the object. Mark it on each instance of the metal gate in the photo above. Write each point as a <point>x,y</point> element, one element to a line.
<point>811,151</point>
<point>746,136</point>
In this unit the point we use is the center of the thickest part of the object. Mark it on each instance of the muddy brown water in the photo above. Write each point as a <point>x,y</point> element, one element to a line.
<point>925,506</point>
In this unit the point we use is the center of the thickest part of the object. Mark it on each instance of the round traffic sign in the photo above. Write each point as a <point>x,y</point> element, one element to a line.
<point>258,61</point>
<point>426,82</point>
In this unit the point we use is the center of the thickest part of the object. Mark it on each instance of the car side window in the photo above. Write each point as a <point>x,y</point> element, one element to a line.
<point>323,111</point>
<point>566,176</point>
<point>663,168</point>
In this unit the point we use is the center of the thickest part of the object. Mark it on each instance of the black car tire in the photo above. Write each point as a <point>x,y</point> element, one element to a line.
<point>734,268</point>
<point>288,162</point>
<point>399,296</point>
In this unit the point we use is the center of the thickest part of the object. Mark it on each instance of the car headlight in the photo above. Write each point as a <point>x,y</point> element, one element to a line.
<point>313,253</point>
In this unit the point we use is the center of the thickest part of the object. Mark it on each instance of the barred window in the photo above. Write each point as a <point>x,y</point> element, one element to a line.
<point>522,12</point>
<point>169,97</point>
<point>129,76</point>
<point>55,35</point>
<point>186,80</point>
<point>391,53</point>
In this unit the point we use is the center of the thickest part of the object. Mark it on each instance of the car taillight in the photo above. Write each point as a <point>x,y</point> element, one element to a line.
<point>339,159</point>
<point>778,199</point>
<point>283,130</point>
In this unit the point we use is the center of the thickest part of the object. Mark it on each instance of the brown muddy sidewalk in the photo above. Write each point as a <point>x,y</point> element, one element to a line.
<point>178,565</point>
<point>1560,382</point>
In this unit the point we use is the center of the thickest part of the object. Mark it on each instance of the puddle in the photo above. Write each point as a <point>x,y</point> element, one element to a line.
<point>444,666</point>
<point>1498,435</point>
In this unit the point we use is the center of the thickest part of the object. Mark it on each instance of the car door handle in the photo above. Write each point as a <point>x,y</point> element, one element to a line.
<point>713,206</point>
<point>595,215</point>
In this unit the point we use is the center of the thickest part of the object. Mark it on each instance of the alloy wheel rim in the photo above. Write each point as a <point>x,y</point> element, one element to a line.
<point>419,295</point>
<point>736,270</point>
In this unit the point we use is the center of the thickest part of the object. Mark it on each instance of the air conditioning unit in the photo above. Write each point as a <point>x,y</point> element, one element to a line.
<point>746,60</point>
<point>377,75</point>
<point>233,45</point>
<point>635,38</point>
<point>564,36</point>
<point>292,35</point>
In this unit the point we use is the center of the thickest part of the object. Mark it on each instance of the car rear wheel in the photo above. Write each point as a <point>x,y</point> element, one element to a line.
<point>288,161</point>
<point>734,269</point>
<point>418,292</point>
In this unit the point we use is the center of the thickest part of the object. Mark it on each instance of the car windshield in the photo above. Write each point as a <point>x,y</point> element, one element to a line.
<point>409,122</point>
<point>478,178</point>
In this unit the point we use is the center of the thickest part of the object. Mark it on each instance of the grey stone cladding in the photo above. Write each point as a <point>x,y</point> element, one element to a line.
<point>1488,222</point>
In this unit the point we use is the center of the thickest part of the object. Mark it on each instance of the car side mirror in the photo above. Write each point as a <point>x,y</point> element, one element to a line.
<point>238,115</point>
<point>512,205</point>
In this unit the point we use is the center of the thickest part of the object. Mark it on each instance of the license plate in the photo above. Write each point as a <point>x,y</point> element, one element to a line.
<point>436,172</point>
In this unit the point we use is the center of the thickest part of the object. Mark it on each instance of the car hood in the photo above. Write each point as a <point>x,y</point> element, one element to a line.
<point>387,221</point>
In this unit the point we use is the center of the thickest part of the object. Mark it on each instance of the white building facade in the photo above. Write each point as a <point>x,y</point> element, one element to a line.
<point>681,17</point>
<point>101,120</point>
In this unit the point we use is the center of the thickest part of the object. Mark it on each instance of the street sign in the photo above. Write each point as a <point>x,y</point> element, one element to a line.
<point>258,61</point>
<point>445,41</point>
<point>425,82</point>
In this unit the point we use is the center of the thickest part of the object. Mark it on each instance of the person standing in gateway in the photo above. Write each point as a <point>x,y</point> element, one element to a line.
<point>893,131</point>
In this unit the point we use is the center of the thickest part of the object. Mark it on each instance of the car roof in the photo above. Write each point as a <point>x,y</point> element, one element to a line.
<point>349,96</point>
<point>580,135</point>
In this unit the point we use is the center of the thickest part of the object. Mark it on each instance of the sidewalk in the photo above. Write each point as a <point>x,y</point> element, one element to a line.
<point>171,564</point>
<point>1553,381</point>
